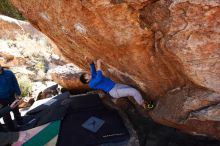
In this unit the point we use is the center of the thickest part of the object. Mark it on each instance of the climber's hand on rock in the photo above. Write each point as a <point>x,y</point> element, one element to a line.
<point>99,64</point>
<point>88,60</point>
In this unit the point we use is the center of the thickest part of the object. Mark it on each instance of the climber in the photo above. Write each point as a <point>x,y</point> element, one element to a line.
<point>96,80</point>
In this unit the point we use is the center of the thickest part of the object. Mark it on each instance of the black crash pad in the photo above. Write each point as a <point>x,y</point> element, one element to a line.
<point>81,110</point>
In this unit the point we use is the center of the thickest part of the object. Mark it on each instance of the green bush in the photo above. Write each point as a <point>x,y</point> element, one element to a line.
<point>8,9</point>
<point>40,66</point>
<point>25,86</point>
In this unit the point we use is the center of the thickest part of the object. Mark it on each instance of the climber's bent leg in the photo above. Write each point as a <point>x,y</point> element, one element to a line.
<point>121,90</point>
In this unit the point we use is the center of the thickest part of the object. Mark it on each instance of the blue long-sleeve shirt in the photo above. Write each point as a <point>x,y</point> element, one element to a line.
<point>8,85</point>
<point>99,81</point>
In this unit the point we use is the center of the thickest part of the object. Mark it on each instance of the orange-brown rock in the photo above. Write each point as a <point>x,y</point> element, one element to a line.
<point>26,102</point>
<point>167,49</point>
<point>8,60</point>
<point>8,29</point>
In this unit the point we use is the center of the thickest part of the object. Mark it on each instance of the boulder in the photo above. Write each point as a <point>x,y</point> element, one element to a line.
<point>26,102</point>
<point>167,49</point>
<point>48,92</point>
<point>8,60</point>
<point>68,76</point>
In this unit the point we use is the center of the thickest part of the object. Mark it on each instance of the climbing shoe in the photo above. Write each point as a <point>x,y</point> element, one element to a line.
<point>149,105</point>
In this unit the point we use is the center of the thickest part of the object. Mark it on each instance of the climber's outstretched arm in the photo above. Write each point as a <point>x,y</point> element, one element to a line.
<point>99,65</point>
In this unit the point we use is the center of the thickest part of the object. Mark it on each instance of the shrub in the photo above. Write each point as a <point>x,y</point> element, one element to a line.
<point>8,9</point>
<point>40,66</point>
<point>25,86</point>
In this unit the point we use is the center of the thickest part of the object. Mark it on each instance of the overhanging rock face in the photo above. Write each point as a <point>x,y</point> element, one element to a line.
<point>170,50</point>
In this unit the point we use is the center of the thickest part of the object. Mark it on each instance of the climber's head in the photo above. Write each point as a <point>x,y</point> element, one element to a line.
<point>85,78</point>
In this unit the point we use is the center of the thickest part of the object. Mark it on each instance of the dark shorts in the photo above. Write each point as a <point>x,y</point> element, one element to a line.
<point>6,102</point>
